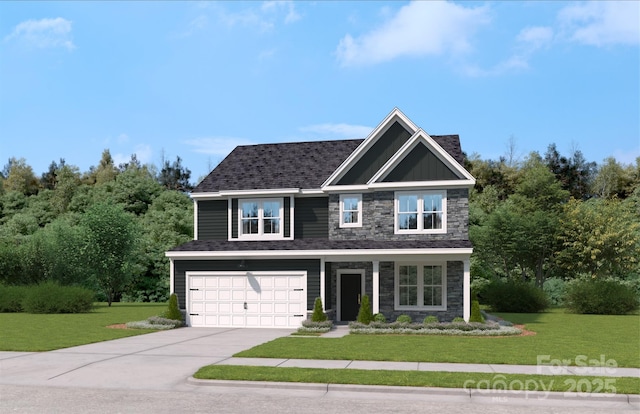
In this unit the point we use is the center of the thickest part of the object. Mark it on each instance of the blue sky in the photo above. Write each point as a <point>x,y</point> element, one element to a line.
<point>195,79</point>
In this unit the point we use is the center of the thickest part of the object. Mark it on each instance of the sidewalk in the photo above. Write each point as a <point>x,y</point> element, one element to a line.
<point>435,366</point>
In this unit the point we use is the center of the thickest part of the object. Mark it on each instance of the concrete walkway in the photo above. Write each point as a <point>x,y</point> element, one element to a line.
<point>436,366</point>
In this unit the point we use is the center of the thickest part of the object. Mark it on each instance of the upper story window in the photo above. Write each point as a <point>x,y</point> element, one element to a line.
<point>350,210</point>
<point>421,212</point>
<point>260,218</point>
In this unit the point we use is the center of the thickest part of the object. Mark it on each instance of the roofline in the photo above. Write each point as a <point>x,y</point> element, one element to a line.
<point>371,139</point>
<point>421,136</point>
<point>378,254</point>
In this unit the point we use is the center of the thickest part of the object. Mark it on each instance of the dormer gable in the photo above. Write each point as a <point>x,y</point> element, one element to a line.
<point>399,152</point>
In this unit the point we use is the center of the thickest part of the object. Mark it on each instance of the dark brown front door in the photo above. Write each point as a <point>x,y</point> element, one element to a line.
<point>350,290</point>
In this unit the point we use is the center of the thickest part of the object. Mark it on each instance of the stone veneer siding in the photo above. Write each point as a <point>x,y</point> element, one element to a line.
<point>455,276</point>
<point>379,221</point>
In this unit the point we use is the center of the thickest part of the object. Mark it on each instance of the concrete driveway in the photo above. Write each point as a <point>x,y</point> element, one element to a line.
<point>156,361</point>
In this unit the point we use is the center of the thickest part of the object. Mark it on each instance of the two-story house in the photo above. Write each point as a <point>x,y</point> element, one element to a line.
<point>278,225</point>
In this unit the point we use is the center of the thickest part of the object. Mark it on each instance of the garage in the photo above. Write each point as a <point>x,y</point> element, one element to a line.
<point>246,299</point>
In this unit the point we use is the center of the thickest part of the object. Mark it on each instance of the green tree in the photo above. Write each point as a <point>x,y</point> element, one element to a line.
<point>20,177</point>
<point>519,237</point>
<point>174,176</point>
<point>600,238</point>
<point>110,247</point>
<point>613,180</point>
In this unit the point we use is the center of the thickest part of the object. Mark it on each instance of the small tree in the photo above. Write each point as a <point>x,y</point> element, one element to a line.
<point>318,315</point>
<point>173,311</point>
<point>476,315</point>
<point>110,247</point>
<point>364,314</point>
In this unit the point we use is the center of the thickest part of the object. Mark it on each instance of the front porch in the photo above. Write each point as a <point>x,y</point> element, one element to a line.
<point>343,283</point>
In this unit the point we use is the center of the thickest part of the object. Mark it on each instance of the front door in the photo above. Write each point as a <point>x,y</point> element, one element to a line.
<point>350,291</point>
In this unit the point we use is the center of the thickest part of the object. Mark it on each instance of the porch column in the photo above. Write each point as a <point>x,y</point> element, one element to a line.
<point>322,282</point>
<point>171,276</point>
<point>466,290</point>
<point>376,287</point>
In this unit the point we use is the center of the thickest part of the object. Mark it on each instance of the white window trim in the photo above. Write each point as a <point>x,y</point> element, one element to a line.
<point>420,229</point>
<point>420,266</point>
<point>261,235</point>
<point>359,222</point>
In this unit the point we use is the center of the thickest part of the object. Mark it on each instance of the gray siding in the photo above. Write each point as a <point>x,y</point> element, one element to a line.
<point>379,220</point>
<point>421,165</point>
<point>386,146</point>
<point>311,218</point>
<point>212,220</point>
<point>312,267</point>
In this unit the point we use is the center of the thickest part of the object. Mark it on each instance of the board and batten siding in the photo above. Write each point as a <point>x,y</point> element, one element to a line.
<point>311,266</point>
<point>377,156</point>
<point>212,220</point>
<point>311,218</point>
<point>421,165</point>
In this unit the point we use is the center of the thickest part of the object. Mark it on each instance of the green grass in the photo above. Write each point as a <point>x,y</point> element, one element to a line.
<point>421,379</point>
<point>558,334</point>
<point>37,332</point>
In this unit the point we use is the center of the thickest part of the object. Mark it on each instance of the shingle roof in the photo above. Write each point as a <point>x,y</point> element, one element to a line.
<point>317,244</point>
<point>291,165</point>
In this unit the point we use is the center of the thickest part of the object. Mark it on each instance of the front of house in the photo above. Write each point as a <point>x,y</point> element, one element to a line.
<point>278,225</point>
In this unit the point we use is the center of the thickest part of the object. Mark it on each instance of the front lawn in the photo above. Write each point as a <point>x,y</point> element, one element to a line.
<point>560,335</point>
<point>46,332</point>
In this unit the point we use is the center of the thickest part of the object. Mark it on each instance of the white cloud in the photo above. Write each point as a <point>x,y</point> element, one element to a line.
<point>263,18</point>
<point>417,29</point>
<point>337,131</point>
<point>602,23</point>
<point>535,37</point>
<point>220,146</point>
<point>195,25</point>
<point>44,33</point>
<point>288,6</point>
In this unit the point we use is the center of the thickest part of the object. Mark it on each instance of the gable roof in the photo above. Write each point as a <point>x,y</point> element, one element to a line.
<point>291,165</point>
<point>319,165</point>
<point>268,166</point>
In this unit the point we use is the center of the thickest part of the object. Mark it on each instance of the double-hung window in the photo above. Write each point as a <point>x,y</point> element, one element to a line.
<point>350,210</point>
<point>260,218</point>
<point>421,286</point>
<point>421,212</point>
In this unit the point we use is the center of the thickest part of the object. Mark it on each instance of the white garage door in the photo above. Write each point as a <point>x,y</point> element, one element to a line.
<point>247,299</point>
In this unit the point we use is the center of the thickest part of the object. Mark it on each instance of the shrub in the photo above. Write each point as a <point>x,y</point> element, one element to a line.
<point>404,319</point>
<point>459,319</point>
<point>603,297</point>
<point>315,327</point>
<point>364,314</point>
<point>430,319</point>
<point>318,315</point>
<point>11,298</point>
<point>456,328</point>
<point>555,289</point>
<point>155,322</point>
<point>173,311</point>
<point>476,315</point>
<point>515,296</point>
<point>378,317</point>
<point>50,297</point>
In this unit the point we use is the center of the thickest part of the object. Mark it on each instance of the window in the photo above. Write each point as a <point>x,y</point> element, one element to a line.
<point>421,286</point>
<point>260,218</point>
<point>351,210</point>
<point>423,212</point>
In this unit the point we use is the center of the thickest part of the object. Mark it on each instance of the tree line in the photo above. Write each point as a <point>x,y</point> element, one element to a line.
<point>554,216</point>
<point>105,229</point>
<point>547,216</point>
